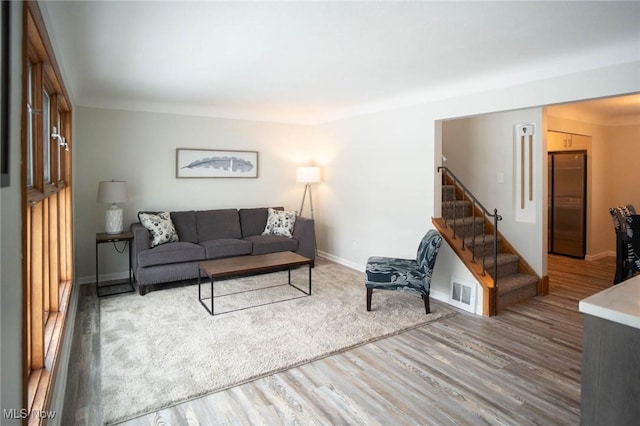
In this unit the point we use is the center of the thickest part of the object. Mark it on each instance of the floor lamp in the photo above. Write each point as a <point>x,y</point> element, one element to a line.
<point>307,175</point>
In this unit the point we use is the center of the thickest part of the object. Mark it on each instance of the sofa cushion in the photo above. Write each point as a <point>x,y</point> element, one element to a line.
<point>280,223</point>
<point>253,221</point>
<point>226,247</point>
<point>185,224</point>
<point>171,253</point>
<point>215,224</point>
<point>160,226</point>
<point>271,244</point>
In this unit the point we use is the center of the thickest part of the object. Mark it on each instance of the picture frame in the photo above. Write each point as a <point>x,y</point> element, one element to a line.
<point>5,88</point>
<point>215,163</point>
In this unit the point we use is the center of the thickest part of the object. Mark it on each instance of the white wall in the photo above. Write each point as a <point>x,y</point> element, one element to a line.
<point>11,298</point>
<point>623,174</point>
<point>140,148</point>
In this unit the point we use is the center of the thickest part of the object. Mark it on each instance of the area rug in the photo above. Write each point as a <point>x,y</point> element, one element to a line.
<point>164,348</point>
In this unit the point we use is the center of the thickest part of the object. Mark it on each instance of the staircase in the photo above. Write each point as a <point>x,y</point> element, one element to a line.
<point>465,225</point>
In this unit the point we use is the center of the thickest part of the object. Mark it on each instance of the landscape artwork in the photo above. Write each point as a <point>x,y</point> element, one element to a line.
<point>207,163</point>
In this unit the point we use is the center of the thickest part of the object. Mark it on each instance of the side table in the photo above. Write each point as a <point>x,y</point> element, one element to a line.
<point>103,237</point>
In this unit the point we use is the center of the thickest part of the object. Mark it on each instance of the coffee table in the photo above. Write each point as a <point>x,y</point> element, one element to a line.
<point>249,265</point>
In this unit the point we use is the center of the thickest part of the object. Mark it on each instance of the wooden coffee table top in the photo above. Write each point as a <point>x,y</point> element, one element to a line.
<point>252,264</point>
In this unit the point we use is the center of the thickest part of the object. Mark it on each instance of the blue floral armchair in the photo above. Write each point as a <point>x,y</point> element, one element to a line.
<point>414,276</point>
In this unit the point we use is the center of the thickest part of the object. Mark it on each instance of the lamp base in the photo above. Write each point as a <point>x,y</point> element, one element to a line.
<point>113,220</point>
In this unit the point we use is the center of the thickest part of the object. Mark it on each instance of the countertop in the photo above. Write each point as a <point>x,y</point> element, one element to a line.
<point>620,303</point>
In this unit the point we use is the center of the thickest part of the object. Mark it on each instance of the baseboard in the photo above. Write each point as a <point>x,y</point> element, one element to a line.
<point>106,277</point>
<point>600,255</point>
<point>341,261</point>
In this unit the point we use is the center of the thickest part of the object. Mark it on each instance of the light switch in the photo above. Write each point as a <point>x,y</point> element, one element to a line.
<point>500,177</point>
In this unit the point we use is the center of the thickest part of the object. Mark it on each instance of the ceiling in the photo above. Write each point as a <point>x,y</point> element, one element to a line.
<point>309,62</point>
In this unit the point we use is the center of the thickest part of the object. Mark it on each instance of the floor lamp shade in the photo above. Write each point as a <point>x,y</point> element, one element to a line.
<point>112,192</point>
<point>308,174</point>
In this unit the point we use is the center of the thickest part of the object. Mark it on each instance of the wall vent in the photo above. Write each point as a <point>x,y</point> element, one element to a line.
<point>463,295</point>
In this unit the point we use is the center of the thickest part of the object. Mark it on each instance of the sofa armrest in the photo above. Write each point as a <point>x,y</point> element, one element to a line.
<point>304,231</point>
<point>141,242</point>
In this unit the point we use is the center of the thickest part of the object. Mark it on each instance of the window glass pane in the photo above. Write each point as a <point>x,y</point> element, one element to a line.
<point>29,125</point>
<point>46,137</point>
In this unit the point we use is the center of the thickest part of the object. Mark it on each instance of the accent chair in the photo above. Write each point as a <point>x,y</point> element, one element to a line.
<point>624,252</point>
<point>632,238</point>
<point>409,275</point>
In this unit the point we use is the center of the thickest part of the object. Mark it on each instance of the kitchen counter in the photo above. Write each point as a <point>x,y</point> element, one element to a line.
<point>620,303</point>
<point>610,356</point>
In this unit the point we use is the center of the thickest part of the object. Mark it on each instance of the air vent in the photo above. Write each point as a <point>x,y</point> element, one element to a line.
<point>463,295</point>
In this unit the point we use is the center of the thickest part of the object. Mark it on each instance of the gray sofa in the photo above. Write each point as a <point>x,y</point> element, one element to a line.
<point>211,234</point>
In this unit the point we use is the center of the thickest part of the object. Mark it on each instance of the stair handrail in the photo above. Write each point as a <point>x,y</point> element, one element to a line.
<point>494,216</point>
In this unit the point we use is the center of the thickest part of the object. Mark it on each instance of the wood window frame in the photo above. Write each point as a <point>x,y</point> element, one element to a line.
<point>47,216</point>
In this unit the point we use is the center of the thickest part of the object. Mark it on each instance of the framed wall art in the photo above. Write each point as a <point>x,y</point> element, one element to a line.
<point>211,163</point>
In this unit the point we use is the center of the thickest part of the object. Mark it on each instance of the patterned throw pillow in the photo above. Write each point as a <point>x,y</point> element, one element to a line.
<point>280,222</point>
<point>160,226</point>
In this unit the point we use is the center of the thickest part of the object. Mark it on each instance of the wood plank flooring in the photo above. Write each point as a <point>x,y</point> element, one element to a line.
<point>522,367</point>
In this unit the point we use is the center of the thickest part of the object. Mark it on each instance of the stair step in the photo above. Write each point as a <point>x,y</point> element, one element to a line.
<point>464,226</point>
<point>507,264</point>
<point>448,192</point>
<point>483,244</point>
<point>516,288</point>
<point>456,209</point>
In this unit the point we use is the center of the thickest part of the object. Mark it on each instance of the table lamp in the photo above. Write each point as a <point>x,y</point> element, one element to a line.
<point>112,192</point>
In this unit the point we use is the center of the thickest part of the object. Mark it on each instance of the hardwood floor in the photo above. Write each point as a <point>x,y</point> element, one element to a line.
<point>522,367</point>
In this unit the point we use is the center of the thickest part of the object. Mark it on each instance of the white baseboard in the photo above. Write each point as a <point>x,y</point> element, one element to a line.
<point>341,261</point>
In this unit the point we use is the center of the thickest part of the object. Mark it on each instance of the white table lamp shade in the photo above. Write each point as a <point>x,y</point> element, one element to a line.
<point>112,192</point>
<point>308,174</point>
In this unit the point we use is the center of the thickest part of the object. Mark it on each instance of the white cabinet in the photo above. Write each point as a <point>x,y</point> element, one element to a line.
<point>561,141</point>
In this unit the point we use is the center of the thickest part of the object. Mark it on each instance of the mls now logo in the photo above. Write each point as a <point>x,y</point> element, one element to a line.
<point>23,413</point>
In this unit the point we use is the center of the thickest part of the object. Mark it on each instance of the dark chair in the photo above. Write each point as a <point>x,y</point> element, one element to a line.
<point>632,239</point>
<point>619,215</point>
<point>414,276</point>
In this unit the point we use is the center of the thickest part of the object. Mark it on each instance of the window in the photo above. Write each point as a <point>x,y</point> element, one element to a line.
<point>47,212</point>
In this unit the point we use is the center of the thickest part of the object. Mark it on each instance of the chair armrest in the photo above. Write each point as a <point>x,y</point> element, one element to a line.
<point>304,231</point>
<point>141,242</point>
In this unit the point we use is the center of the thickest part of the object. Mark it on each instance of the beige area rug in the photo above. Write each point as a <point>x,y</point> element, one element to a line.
<point>164,348</point>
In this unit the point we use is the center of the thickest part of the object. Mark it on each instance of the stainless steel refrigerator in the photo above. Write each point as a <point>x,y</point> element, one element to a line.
<point>568,203</point>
